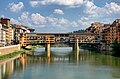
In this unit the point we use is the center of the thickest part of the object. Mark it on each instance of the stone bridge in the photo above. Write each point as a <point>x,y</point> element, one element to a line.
<point>49,39</point>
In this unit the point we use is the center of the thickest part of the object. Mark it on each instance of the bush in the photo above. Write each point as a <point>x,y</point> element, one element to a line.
<point>116,49</point>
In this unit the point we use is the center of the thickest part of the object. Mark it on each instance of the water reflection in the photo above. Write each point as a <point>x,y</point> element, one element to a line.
<point>56,54</point>
<point>6,68</point>
<point>23,61</point>
<point>66,64</point>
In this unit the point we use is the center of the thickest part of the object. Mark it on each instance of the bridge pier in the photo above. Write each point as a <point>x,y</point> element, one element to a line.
<point>76,46</point>
<point>47,49</point>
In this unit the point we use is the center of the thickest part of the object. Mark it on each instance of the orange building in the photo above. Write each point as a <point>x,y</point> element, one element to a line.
<point>18,29</point>
<point>115,31</point>
<point>106,36</point>
<point>112,33</point>
<point>35,38</point>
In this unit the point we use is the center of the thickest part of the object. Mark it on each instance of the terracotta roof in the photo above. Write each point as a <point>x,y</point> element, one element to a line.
<point>16,26</point>
<point>4,18</point>
<point>107,24</point>
<point>22,27</point>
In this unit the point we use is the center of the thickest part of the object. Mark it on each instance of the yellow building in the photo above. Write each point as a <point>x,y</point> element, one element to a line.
<point>35,38</point>
<point>23,39</point>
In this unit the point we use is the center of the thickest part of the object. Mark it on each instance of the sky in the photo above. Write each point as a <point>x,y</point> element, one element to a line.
<point>59,15</point>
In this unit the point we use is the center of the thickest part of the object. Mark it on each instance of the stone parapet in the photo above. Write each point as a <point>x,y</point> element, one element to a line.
<point>9,49</point>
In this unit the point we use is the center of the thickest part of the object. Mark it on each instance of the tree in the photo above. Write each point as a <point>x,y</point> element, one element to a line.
<point>116,49</point>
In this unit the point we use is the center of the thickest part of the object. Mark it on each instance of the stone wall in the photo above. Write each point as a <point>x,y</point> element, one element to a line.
<point>9,49</point>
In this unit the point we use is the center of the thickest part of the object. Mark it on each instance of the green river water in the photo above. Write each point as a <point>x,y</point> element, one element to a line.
<point>63,64</point>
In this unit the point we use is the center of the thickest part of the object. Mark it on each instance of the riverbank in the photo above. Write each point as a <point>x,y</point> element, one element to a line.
<point>9,59</point>
<point>15,53</point>
<point>9,49</point>
<point>10,55</point>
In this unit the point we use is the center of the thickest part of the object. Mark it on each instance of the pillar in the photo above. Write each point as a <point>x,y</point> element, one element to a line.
<point>0,71</point>
<point>76,46</point>
<point>47,49</point>
<point>77,55</point>
<point>12,66</point>
<point>4,69</point>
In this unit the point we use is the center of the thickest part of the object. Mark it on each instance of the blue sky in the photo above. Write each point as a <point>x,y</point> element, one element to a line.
<point>59,15</point>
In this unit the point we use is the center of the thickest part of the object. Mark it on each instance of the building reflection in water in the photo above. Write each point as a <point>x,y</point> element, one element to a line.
<point>55,56</point>
<point>21,63</point>
<point>23,58</point>
<point>71,56</point>
<point>6,68</point>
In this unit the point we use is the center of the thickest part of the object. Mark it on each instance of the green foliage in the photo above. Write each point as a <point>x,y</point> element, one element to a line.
<point>37,46</point>
<point>116,49</point>
<point>90,47</point>
<point>79,31</point>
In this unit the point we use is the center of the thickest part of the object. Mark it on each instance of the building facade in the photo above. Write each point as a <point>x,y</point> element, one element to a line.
<point>18,29</point>
<point>5,31</point>
<point>10,33</point>
<point>115,31</point>
<point>36,38</point>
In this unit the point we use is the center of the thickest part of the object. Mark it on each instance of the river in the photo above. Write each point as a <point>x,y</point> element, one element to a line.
<point>63,64</point>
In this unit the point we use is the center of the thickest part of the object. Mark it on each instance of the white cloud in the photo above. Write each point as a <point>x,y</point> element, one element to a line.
<point>74,24</point>
<point>37,18</point>
<point>24,16</point>
<point>84,18</point>
<point>16,7</point>
<point>83,23</point>
<point>51,19</point>
<point>64,25</point>
<point>63,21</point>
<point>2,16</point>
<point>90,13</point>
<point>112,8</point>
<point>90,9</point>
<point>34,3</point>
<point>70,3</point>
<point>14,21</point>
<point>33,20</point>
<point>25,19</point>
<point>58,11</point>
<point>57,21</point>
<point>107,10</point>
<point>106,13</point>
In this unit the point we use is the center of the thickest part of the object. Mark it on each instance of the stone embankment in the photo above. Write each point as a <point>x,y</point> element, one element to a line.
<point>9,49</point>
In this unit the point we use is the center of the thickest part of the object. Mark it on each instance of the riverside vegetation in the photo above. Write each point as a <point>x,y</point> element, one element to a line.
<point>12,54</point>
<point>31,49</point>
<point>116,49</point>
